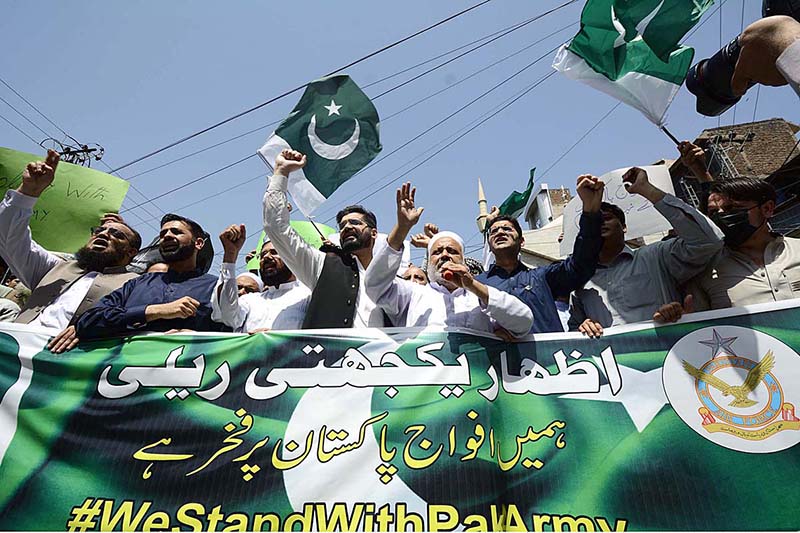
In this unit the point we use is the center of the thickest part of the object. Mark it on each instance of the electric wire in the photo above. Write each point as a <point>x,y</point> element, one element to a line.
<point>286,93</point>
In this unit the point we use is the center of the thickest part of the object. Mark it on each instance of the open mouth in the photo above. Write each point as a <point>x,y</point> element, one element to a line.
<point>170,246</point>
<point>99,243</point>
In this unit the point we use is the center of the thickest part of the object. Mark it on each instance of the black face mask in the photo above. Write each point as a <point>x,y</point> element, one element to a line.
<point>735,225</point>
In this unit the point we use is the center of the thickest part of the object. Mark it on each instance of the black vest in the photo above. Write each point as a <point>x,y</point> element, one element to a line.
<point>333,300</point>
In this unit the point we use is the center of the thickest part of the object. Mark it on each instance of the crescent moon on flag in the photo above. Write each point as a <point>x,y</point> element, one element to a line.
<point>332,152</point>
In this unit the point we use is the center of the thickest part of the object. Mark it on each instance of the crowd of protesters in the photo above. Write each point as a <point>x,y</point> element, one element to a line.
<point>722,254</point>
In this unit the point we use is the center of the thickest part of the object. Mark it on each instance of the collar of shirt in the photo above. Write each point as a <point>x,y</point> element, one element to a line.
<point>495,270</point>
<point>283,287</point>
<point>444,290</point>
<point>116,270</point>
<point>172,276</point>
<point>626,250</point>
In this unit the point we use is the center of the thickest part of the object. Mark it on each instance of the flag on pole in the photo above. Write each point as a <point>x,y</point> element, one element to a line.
<point>629,50</point>
<point>336,126</point>
<point>514,205</point>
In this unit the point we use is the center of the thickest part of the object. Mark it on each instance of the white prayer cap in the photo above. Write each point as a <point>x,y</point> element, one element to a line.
<point>449,234</point>
<point>253,276</point>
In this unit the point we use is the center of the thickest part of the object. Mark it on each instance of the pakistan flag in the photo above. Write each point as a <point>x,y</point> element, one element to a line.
<point>629,49</point>
<point>336,126</point>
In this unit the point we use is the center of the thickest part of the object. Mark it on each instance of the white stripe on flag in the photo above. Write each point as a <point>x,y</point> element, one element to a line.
<point>29,345</point>
<point>305,195</point>
<point>650,95</point>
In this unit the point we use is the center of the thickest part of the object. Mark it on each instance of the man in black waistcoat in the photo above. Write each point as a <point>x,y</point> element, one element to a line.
<point>336,279</point>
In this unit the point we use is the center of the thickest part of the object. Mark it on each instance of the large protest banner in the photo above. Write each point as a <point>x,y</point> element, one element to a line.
<point>67,210</point>
<point>690,426</point>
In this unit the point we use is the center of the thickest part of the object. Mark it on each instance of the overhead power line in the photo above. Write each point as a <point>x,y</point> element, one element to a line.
<point>461,47</point>
<point>192,182</point>
<point>290,91</point>
<point>461,136</point>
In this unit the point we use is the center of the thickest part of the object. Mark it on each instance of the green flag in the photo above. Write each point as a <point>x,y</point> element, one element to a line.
<point>514,205</point>
<point>336,126</point>
<point>629,50</point>
<point>75,202</point>
<point>304,229</point>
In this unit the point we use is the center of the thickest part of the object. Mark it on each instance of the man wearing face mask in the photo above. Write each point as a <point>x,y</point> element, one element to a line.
<point>756,265</point>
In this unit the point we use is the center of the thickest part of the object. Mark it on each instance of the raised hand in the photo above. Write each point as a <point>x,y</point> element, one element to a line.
<point>407,212</point>
<point>590,190</point>
<point>39,175</point>
<point>288,161</point>
<point>232,239</point>
<point>420,240</point>
<point>636,181</point>
<point>430,229</point>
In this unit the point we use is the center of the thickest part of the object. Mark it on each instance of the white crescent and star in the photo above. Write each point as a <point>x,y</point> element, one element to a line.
<point>332,152</point>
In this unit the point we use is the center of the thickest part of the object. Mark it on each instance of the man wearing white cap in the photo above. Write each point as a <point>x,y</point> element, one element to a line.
<point>249,283</point>
<point>282,305</point>
<point>453,297</point>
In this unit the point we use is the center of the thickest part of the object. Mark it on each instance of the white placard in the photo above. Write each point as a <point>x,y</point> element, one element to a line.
<point>641,217</point>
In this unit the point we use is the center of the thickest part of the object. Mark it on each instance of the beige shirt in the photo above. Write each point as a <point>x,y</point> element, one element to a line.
<point>735,280</point>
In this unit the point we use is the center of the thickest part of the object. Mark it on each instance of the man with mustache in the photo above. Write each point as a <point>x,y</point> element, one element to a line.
<point>538,287</point>
<point>179,299</point>
<point>61,290</point>
<point>453,297</point>
<point>631,285</point>
<point>282,305</point>
<point>336,278</point>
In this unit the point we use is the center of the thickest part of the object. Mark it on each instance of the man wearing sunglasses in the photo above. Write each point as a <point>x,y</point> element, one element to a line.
<point>176,300</point>
<point>61,290</point>
<point>336,278</point>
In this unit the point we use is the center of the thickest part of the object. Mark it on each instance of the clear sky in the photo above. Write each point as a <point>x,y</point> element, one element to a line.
<point>134,76</point>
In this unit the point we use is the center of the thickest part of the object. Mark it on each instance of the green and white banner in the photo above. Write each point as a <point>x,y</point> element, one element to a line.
<point>691,426</point>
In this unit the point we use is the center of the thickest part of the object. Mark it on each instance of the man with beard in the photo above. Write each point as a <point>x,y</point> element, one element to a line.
<point>336,278</point>
<point>537,287</point>
<point>179,299</point>
<point>61,290</point>
<point>453,297</point>
<point>631,285</point>
<point>282,305</point>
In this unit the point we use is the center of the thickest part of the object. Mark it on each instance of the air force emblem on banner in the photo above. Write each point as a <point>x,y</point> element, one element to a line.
<point>737,387</point>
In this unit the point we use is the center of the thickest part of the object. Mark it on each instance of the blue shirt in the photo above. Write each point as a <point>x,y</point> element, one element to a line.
<point>123,311</point>
<point>536,287</point>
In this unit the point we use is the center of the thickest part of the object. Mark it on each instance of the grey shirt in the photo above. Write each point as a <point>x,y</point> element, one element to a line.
<point>736,280</point>
<point>637,282</point>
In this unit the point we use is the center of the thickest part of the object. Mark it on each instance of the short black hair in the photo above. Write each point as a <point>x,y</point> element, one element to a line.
<point>507,218</point>
<point>195,228</point>
<point>369,216</point>
<point>745,189</point>
<point>615,210</point>
<point>136,240</point>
